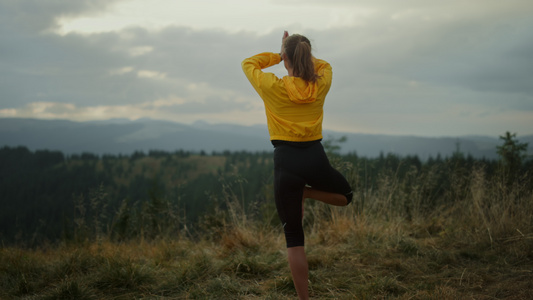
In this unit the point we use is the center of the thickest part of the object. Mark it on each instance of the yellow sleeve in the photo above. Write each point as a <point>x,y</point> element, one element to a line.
<point>254,65</point>
<point>322,67</point>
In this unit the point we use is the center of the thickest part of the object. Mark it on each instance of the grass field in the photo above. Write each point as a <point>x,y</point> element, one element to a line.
<point>480,246</point>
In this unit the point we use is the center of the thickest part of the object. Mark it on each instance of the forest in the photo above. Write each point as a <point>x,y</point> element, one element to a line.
<point>47,197</point>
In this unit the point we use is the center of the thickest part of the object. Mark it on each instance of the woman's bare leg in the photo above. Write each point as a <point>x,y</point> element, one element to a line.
<point>326,197</point>
<point>299,270</point>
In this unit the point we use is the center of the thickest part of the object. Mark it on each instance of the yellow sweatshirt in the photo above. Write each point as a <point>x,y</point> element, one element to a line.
<point>293,106</point>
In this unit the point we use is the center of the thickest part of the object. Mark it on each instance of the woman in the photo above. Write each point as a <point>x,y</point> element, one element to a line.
<point>294,110</point>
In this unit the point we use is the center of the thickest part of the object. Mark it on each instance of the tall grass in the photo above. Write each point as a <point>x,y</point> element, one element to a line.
<point>402,238</point>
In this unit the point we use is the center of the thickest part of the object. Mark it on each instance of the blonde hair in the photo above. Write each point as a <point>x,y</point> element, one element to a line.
<point>298,50</point>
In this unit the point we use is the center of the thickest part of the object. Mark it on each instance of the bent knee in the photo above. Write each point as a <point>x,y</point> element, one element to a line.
<point>349,197</point>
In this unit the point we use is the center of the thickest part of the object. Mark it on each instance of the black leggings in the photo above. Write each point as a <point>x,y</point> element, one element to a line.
<point>294,168</point>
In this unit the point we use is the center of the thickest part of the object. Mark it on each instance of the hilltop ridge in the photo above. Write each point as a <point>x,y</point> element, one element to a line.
<point>120,136</point>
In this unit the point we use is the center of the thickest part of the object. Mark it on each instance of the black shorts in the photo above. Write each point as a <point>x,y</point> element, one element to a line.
<point>294,168</point>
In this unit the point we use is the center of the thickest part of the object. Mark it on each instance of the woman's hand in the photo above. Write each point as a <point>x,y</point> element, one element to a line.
<point>282,52</point>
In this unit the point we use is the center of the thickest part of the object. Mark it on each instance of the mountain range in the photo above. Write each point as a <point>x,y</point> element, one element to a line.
<point>120,136</point>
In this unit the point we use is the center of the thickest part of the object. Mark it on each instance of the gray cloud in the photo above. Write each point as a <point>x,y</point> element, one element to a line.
<point>467,51</point>
<point>407,61</point>
<point>29,16</point>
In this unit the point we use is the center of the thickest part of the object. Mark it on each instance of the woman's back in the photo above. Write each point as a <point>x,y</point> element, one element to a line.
<point>293,105</point>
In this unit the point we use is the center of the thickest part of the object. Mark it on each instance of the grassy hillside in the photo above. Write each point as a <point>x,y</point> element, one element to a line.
<point>475,241</point>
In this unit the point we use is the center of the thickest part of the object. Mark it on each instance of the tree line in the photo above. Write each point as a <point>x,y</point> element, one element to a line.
<point>47,196</point>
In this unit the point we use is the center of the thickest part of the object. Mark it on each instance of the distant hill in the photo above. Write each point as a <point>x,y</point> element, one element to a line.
<point>126,137</point>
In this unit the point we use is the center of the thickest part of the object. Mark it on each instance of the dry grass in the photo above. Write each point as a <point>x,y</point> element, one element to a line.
<point>347,259</point>
<point>478,247</point>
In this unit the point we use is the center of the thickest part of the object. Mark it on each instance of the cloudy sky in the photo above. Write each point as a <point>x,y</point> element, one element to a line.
<point>413,67</point>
